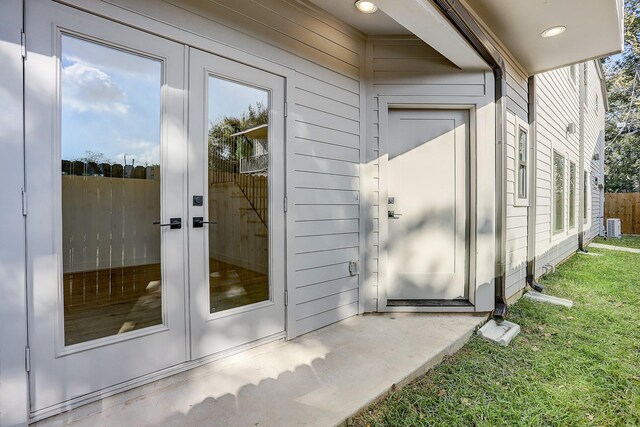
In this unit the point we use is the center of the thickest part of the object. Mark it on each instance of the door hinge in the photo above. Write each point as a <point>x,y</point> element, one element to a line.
<point>24,202</point>
<point>27,359</point>
<point>286,109</point>
<point>286,204</point>
<point>23,44</point>
<point>286,298</point>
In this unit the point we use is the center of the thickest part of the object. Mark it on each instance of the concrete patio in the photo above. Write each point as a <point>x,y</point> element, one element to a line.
<point>319,379</point>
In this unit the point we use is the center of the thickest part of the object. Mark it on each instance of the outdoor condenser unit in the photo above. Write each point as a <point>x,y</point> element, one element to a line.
<point>614,229</point>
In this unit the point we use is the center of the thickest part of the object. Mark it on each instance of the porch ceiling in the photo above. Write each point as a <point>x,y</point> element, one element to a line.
<point>402,17</point>
<point>593,29</point>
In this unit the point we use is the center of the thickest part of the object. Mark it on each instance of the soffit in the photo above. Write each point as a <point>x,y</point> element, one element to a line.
<point>594,29</point>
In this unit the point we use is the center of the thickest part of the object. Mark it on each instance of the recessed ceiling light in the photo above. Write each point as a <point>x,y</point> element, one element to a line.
<point>366,6</point>
<point>553,31</point>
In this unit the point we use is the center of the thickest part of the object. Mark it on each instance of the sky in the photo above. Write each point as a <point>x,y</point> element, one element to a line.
<point>227,98</point>
<point>111,102</point>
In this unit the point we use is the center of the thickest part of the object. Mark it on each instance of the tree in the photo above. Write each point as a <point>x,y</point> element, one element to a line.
<point>622,131</point>
<point>93,156</point>
<point>230,149</point>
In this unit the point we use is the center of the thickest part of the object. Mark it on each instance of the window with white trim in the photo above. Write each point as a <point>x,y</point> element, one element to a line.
<point>558,192</point>
<point>521,166</point>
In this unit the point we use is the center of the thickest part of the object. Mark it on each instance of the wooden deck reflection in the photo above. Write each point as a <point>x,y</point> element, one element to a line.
<point>108,302</point>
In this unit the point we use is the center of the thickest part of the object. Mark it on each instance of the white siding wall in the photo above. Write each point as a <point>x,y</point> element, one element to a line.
<point>407,67</point>
<point>558,106</point>
<point>324,150</point>
<point>516,250</point>
<point>594,144</point>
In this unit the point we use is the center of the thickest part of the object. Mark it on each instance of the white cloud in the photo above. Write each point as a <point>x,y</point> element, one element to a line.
<point>141,151</point>
<point>86,88</point>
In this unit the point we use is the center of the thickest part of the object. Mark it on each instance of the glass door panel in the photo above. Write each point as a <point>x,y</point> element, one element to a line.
<point>238,172</point>
<point>236,175</point>
<point>110,144</point>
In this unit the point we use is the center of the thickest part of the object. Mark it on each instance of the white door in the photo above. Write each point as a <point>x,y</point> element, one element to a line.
<point>105,156</point>
<point>427,178</point>
<point>236,189</point>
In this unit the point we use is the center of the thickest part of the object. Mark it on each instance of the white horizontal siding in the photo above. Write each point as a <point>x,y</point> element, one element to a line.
<point>557,107</point>
<point>517,216</point>
<point>594,145</point>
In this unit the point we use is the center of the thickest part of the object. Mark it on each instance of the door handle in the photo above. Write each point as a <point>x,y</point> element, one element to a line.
<point>174,223</point>
<point>198,222</point>
<point>393,215</point>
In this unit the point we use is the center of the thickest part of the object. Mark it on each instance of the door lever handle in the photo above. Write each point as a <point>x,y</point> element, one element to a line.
<point>174,223</point>
<point>198,222</point>
<point>393,215</point>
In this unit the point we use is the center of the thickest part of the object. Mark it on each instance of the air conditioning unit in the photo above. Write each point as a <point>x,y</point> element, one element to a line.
<point>614,229</point>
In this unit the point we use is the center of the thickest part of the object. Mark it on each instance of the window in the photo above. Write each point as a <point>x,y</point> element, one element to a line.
<point>585,196</point>
<point>522,163</point>
<point>558,192</point>
<point>521,166</point>
<point>572,195</point>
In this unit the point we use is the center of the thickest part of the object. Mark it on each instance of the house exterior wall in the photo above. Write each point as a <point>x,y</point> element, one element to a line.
<point>558,106</point>
<point>517,215</point>
<point>594,111</point>
<point>401,67</point>
<point>333,148</point>
<point>558,99</point>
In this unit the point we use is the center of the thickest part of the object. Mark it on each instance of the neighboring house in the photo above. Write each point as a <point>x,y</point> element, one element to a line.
<point>431,156</point>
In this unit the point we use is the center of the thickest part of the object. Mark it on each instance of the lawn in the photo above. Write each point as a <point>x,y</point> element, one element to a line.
<point>568,367</point>
<point>626,241</point>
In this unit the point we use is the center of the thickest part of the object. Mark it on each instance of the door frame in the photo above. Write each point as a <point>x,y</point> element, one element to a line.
<point>204,40</point>
<point>479,283</point>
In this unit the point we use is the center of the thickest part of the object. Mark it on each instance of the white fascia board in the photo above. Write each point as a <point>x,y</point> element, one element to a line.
<point>425,21</point>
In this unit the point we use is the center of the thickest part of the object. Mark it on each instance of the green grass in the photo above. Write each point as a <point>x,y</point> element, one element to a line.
<point>626,241</point>
<point>568,367</point>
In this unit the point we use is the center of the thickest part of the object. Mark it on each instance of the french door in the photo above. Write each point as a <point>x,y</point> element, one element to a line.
<point>152,171</point>
<point>236,175</point>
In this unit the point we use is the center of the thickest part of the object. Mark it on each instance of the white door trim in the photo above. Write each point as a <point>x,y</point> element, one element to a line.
<point>481,113</point>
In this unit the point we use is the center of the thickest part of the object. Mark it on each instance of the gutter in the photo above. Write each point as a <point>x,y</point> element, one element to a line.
<point>462,20</point>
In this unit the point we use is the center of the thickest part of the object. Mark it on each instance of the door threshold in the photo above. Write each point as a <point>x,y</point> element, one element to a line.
<point>428,303</point>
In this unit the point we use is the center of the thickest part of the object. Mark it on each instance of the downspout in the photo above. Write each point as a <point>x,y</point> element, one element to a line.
<point>583,82</point>
<point>500,281</point>
<point>473,34</point>
<point>533,186</point>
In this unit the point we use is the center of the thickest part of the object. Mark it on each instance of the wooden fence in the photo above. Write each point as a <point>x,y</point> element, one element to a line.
<point>625,206</point>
